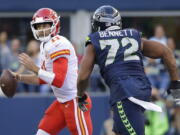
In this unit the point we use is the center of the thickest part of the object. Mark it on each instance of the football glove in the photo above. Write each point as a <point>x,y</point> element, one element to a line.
<point>82,102</point>
<point>174,90</point>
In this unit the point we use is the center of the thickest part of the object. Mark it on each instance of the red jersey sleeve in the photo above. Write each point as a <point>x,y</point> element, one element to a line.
<point>60,67</point>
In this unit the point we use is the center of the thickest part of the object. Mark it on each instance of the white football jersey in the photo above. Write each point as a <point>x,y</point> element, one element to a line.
<point>55,48</point>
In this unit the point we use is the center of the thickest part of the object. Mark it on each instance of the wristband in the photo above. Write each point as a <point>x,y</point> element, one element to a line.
<point>46,76</point>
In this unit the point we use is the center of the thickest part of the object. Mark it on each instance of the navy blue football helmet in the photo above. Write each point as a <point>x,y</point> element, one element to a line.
<point>104,17</point>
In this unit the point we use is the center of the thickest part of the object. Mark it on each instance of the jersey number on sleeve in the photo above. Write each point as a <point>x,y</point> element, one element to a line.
<point>114,46</point>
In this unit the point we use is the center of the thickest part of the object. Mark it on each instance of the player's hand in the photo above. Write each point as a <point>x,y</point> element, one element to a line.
<point>174,90</point>
<point>82,102</point>
<point>28,62</point>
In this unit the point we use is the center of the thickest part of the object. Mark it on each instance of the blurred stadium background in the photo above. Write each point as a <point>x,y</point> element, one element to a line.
<point>157,20</point>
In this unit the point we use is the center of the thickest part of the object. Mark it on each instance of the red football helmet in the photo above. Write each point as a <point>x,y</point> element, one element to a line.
<point>45,15</point>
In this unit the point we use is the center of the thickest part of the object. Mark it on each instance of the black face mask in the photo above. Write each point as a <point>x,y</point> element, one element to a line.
<point>97,26</point>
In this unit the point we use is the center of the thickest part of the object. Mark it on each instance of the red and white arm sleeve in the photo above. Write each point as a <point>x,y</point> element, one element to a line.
<point>58,76</point>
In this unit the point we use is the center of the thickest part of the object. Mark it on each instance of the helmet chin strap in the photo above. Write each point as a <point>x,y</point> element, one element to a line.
<point>44,38</point>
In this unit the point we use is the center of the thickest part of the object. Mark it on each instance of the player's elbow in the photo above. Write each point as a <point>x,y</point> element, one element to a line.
<point>167,52</point>
<point>59,86</point>
<point>58,82</point>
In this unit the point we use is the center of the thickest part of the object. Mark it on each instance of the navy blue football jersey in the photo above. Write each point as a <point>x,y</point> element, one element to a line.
<point>119,56</point>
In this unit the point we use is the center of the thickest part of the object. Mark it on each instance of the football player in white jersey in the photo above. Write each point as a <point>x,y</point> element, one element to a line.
<point>59,69</point>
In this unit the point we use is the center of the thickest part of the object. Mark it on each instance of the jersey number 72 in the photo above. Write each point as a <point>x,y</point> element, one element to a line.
<point>114,46</point>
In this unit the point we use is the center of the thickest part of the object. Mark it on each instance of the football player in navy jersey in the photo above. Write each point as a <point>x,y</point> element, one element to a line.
<point>119,53</point>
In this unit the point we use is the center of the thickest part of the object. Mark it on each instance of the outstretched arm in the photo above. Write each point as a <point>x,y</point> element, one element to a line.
<point>156,50</point>
<point>86,68</point>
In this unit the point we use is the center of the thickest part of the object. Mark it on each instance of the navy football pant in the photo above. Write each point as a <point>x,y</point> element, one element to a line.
<point>128,118</point>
